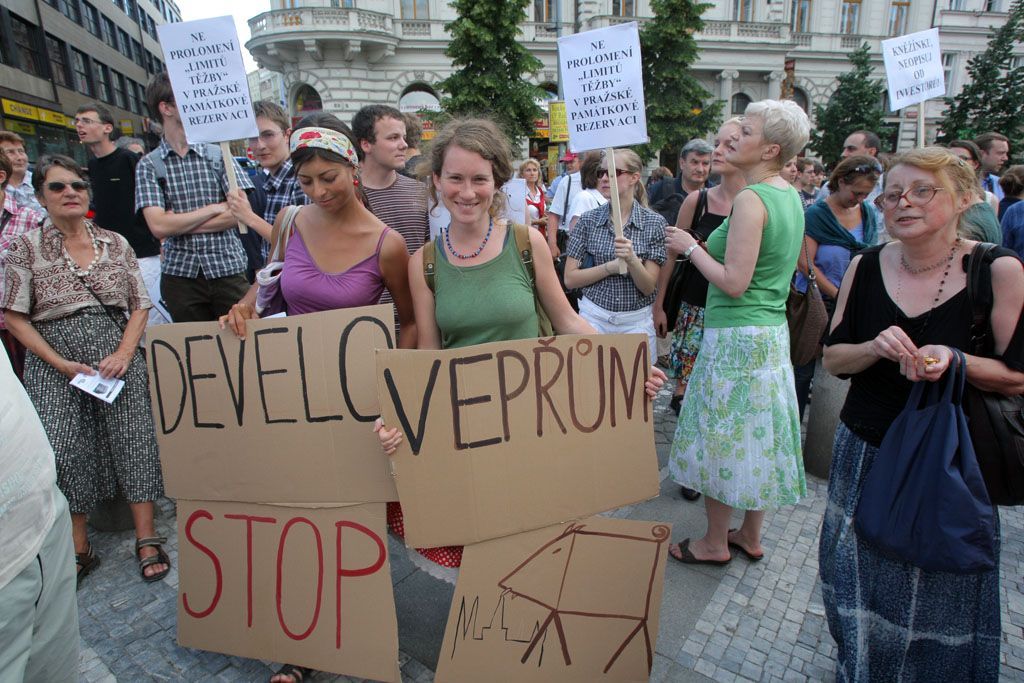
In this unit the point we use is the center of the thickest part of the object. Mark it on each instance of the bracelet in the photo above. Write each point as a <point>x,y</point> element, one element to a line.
<point>689,250</point>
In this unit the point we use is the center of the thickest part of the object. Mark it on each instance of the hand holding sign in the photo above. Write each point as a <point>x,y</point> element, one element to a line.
<point>204,62</point>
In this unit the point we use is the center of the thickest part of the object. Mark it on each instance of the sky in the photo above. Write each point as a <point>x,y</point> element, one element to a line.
<point>241,11</point>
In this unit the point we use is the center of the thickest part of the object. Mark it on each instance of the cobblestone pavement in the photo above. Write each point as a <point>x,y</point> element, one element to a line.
<point>745,622</point>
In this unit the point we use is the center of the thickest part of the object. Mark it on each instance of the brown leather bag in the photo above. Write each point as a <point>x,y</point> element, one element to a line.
<point>807,317</point>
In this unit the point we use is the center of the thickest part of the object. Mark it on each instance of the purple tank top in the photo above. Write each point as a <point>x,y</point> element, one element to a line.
<point>307,289</point>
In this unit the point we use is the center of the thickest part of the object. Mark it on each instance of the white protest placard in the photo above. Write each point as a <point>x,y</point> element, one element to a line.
<point>515,194</point>
<point>602,79</point>
<point>913,67</point>
<point>204,62</point>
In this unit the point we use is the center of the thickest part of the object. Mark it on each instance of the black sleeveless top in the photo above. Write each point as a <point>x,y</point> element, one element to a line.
<point>695,288</point>
<point>879,393</point>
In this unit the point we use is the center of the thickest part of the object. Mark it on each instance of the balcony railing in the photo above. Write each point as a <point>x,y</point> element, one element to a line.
<point>321,19</point>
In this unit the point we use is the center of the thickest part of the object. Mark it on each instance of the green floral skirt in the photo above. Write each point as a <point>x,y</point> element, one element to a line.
<point>738,438</point>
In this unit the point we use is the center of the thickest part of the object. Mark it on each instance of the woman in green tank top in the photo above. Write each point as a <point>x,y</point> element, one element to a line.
<point>738,438</point>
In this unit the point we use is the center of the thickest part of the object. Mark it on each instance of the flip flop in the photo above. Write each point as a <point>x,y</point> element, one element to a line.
<point>750,556</point>
<point>687,557</point>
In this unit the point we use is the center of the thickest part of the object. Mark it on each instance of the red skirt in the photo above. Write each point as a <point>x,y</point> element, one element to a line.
<point>446,556</point>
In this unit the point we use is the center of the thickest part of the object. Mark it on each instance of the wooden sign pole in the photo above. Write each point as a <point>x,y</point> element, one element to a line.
<point>920,124</point>
<point>229,168</point>
<point>609,155</point>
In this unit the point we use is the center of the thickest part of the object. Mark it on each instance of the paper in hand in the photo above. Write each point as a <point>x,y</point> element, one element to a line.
<point>103,389</point>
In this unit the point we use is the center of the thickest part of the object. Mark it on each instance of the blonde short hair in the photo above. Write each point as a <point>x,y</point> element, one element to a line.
<point>785,125</point>
<point>526,164</point>
<point>953,173</point>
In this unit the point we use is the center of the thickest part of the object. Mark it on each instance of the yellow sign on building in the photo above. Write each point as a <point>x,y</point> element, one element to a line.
<point>20,109</point>
<point>21,128</point>
<point>127,127</point>
<point>54,117</point>
<point>558,124</point>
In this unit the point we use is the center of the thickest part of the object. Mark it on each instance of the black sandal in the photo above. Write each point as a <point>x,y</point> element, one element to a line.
<point>159,558</point>
<point>295,672</point>
<point>86,562</point>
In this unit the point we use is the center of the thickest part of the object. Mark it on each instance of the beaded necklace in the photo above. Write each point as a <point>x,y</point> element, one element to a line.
<point>70,262</point>
<point>464,257</point>
<point>904,265</point>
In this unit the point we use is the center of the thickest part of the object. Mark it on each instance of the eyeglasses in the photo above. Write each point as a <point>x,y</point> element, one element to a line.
<point>77,186</point>
<point>85,121</point>
<point>601,173</point>
<point>267,136</point>
<point>915,196</point>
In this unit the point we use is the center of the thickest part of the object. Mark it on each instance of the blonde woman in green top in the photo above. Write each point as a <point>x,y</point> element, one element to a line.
<point>738,438</point>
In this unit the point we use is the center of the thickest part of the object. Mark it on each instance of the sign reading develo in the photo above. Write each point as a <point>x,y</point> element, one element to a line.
<point>913,67</point>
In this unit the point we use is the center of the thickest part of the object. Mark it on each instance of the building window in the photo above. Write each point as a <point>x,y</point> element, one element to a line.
<point>347,4</point>
<point>800,97</point>
<point>415,9</point>
<point>109,31</point>
<point>623,8</point>
<point>849,18</point>
<point>948,61</point>
<point>92,18</point>
<point>120,95</point>
<point>801,20</point>
<point>994,5</point>
<point>134,96</point>
<point>898,17</point>
<point>419,97</point>
<point>543,10</point>
<point>69,8</point>
<point>26,42</point>
<point>740,102</point>
<point>102,74</point>
<point>743,10</point>
<point>119,4</point>
<point>956,5</point>
<point>137,55</point>
<point>57,53</point>
<point>124,43</point>
<point>80,66</point>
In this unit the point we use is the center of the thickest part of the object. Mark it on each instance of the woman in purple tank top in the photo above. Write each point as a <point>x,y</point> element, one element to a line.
<point>337,254</point>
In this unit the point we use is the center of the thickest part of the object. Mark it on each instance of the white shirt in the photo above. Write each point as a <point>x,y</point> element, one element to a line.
<point>28,478</point>
<point>560,204</point>
<point>24,195</point>
<point>583,202</point>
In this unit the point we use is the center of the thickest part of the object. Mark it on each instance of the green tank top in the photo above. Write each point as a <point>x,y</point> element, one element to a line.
<point>483,303</point>
<point>764,302</point>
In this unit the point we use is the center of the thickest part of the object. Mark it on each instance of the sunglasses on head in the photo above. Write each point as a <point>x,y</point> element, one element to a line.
<point>601,173</point>
<point>77,186</point>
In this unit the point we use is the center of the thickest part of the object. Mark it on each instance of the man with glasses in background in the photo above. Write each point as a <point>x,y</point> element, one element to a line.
<point>112,175</point>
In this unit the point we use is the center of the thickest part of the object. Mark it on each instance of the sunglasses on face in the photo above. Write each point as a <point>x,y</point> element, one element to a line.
<point>77,186</point>
<point>601,173</point>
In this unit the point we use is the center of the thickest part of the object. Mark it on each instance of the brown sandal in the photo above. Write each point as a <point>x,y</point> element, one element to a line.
<point>86,562</point>
<point>159,558</point>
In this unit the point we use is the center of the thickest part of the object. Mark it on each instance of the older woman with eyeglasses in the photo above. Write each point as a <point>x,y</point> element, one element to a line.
<point>75,297</point>
<point>901,308</point>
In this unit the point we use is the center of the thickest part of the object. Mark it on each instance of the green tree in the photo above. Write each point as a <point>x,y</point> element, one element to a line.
<point>491,65</point>
<point>993,100</point>
<point>855,105</point>
<point>678,106</point>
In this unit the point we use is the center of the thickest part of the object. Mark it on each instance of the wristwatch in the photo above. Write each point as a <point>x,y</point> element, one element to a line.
<point>686,254</point>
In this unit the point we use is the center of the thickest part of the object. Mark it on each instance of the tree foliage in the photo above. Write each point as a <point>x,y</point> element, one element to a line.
<point>678,106</point>
<point>491,65</point>
<point>993,100</point>
<point>856,104</point>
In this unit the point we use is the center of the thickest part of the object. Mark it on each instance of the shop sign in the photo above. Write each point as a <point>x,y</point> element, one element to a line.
<point>127,127</point>
<point>19,127</point>
<point>559,125</point>
<point>56,118</point>
<point>20,109</point>
<point>540,127</point>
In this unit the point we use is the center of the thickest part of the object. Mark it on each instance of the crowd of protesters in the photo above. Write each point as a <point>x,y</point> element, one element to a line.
<point>338,218</point>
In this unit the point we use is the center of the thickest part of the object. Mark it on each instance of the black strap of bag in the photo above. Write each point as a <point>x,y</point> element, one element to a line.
<point>996,421</point>
<point>677,282</point>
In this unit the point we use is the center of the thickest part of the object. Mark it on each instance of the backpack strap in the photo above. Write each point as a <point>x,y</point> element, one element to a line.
<point>160,170</point>
<point>522,235</point>
<point>701,209</point>
<point>215,158</point>
<point>979,294</point>
<point>277,250</point>
<point>429,256</point>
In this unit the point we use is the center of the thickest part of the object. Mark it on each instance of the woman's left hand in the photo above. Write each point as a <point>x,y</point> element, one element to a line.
<point>655,382</point>
<point>677,240</point>
<point>928,364</point>
<point>624,249</point>
<point>116,364</point>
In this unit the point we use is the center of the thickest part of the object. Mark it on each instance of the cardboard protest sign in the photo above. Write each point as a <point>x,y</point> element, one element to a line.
<point>308,586</point>
<point>204,62</point>
<point>511,436</point>
<point>283,416</point>
<point>913,67</point>
<point>572,603</point>
<point>602,78</point>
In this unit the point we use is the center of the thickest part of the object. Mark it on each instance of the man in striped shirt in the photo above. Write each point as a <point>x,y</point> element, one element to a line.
<point>398,201</point>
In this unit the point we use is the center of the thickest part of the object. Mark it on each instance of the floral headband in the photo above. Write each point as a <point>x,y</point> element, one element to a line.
<point>325,138</point>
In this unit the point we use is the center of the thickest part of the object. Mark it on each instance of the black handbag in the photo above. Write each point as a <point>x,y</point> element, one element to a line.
<point>684,273</point>
<point>996,421</point>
